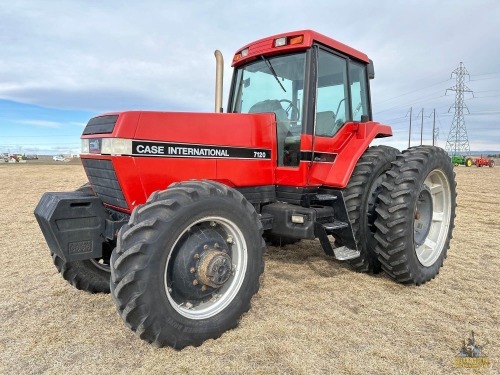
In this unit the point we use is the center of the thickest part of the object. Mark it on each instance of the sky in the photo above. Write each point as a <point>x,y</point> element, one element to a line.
<point>63,62</point>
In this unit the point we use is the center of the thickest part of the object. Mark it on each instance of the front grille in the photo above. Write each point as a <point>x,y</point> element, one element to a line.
<point>100,125</point>
<point>102,176</point>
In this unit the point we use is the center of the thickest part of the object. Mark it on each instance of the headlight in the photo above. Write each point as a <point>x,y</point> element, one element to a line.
<point>116,146</point>
<point>85,146</point>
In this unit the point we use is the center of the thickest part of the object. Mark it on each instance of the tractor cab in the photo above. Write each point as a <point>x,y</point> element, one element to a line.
<point>313,84</point>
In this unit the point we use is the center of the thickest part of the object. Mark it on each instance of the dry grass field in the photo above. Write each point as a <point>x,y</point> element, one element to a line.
<point>313,315</point>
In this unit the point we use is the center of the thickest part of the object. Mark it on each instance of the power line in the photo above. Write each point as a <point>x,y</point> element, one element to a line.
<point>420,100</point>
<point>411,92</point>
<point>487,96</point>
<point>484,79</point>
<point>474,113</point>
<point>485,74</point>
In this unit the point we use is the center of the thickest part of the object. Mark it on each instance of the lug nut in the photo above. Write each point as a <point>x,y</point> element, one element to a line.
<point>216,245</point>
<point>229,239</point>
<point>205,247</point>
<point>192,270</point>
<point>196,256</point>
<point>195,282</point>
<point>203,288</point>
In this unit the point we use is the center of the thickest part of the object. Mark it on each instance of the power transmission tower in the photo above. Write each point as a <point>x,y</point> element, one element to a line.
<point>458,142</point>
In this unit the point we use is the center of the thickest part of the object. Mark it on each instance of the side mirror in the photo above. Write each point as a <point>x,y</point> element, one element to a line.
<point>371,70</point>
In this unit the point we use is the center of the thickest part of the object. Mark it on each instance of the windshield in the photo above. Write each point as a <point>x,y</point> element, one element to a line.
<point>274,85</point>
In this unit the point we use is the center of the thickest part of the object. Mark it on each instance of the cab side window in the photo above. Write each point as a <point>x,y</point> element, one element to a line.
<point>359,91</point>
<point>332,101</point>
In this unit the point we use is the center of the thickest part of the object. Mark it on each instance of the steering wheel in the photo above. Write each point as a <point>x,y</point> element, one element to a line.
<point>338,107</point>
<point>290,107</point>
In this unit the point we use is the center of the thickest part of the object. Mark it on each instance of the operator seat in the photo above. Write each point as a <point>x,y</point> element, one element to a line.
<point>282,122</point>
<point>325,123</point>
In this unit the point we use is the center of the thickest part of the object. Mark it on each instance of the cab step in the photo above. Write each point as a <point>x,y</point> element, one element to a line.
<point>322,230</point>
<point>330,227</point>
<point>325,197</point>
<point>344,253</point>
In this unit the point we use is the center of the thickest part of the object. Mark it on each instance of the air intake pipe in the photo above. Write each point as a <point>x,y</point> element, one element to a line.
<point>219,77</point>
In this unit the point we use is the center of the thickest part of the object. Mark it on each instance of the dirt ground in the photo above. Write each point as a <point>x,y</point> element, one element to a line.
<point>313,315</point>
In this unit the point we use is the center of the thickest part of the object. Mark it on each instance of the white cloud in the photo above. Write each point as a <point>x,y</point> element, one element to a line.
<point>115,55</point>
<point>41,123</point>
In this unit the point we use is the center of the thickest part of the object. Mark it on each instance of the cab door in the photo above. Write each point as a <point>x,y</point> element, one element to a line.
<point>341,101</point>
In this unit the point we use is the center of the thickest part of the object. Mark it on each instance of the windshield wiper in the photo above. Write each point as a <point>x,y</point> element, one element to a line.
<point>268,63</point>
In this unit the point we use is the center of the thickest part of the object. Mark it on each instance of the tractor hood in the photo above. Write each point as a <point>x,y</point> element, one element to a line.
<point>129,155</point>
<point>185,129</point>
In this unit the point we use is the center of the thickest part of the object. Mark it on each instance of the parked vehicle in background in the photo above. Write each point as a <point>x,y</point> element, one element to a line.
<point>59,158</point>
<point>462,160</point>
<point>484,162</point>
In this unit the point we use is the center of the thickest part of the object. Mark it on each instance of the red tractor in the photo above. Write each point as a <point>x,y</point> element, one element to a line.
<point>174,217</point>
<point>484,162</point>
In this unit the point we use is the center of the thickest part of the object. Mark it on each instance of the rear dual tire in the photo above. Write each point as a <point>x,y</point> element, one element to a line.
<point>361,198</point>
<point>416,215</point>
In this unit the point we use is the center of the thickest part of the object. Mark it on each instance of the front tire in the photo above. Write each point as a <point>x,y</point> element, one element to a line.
<point>416,215</point>
<point>187,264</point>
<point>361,198</point>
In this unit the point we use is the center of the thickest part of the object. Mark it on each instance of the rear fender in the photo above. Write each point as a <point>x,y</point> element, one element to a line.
<point>348,152</point>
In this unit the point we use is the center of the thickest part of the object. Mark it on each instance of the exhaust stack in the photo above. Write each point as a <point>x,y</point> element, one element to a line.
<point>219,76</point>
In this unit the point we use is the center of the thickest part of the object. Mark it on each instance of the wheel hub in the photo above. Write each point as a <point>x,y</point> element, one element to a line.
<point>202,265</point>
<point>214,268</point>
<point>423,216</point>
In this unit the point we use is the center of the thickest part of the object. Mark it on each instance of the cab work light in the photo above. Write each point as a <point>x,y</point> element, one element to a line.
<point>240,55</point>
<point>288,41</point>
<point>280,42</point>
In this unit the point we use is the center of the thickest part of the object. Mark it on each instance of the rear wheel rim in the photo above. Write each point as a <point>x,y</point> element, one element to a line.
<point>223,296</point>
<point>101,264</point>
<point>430,248</point>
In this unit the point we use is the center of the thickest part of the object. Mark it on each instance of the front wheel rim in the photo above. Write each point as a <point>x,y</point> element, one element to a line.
<point>101,264</point>
<point>223,296</point>
<point>429,249</point>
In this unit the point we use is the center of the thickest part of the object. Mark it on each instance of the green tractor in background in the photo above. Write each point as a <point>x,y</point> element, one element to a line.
<point>462,160</point>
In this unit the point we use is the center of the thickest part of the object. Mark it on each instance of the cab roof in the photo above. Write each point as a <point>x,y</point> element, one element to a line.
<point>266,46</point>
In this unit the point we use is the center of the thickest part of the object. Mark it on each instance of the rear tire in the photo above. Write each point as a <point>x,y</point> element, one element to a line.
<point>161,270</point>
<point>92,275</point>
<point>361,199</point>
<point>491,164</point>
<point>469,162</point>
<point>416,215</point>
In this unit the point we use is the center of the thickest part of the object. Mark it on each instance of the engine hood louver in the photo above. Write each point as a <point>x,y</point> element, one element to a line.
<point>101,124</point>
